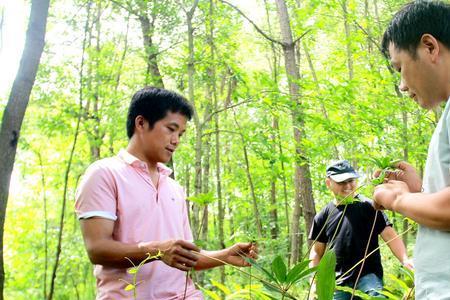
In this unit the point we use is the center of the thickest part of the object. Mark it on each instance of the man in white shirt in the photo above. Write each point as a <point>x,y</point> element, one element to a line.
<point>417,41</point>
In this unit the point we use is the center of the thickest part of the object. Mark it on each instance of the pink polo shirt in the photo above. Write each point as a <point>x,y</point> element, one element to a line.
<point>120,189</point>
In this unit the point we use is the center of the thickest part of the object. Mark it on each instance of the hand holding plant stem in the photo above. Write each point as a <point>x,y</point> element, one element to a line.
<point>395,179</point>
<point>397,170</point>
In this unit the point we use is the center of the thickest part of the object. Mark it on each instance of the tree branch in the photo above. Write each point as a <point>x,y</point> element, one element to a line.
<point>128,9</point>
<point>369,36</point>
<point>208,118</point>
<point>302,36</point>
<point>253,23</point>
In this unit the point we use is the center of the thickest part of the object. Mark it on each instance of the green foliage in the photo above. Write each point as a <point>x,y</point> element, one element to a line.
<point>384,164</point>
<point>131,286</point>
<point>325,276</point>
<point>279,279</point>
<point>203,198</point>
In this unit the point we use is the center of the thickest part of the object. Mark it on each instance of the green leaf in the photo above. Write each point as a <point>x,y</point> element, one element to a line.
<point>392,163</point>
<point>296,270</point>
<point>132,270</point>
<point>359,293</point>
<point>130,287</point>
<point>326,277</point>
<point>279,269</point>
<point>409,273</point>
<point>380,178</point>
<point>305,273</point>
<point>221,287</point>
<point>203,198</point>
<point>260,268</point>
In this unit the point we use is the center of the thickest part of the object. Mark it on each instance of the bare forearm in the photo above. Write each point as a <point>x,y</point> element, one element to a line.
<point>397,247</point>
<point>211,259</point>
<point>118,255</point>
<point>431,210</point>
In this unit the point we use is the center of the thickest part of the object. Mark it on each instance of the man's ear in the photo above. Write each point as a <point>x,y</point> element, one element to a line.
<point>431,45</point>
<point>328,182</point>
<point>139,123</point>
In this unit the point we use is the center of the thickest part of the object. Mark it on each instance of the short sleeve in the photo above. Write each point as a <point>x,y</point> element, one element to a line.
<point>317,232</point>
<point>382,221</point>
<point>96,194</point>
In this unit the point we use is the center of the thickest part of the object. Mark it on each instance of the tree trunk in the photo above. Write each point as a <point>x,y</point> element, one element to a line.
<point>153,74</point>
<point>316,81</point>
<point>44,202</point>
<point>69,162</point>
<point>250,182</point>
<point>303,185</point>
<point>15,108</point>
<point>198,126</point>
<point>348,43</point>
<point>213,87</point>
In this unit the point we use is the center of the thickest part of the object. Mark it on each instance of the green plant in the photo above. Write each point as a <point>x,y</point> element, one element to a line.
<point>280,279</point>
<point>325,276</point>
<point>384,164</point>
<point>135,270</point>
<point>236,291</point>
<point>400,287</point>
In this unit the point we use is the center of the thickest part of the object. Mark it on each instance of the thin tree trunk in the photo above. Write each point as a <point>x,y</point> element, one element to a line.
<point>316,81</point>
<point>206,176</point>
<point>69,163</point>
<point>348,43</point>
<point>250,182</point>
<point>212,76</point>
<point>94,137</point>
<point>153,73</point>
<point>274,228</point>
<point>15,108</point>
<point>303,185</point>
<point>63,207</point>
<point>198,126</point>
<point>44,201</point>
<point>124,54</point>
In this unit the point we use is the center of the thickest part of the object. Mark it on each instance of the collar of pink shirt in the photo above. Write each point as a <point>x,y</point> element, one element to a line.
<point>137,163</point>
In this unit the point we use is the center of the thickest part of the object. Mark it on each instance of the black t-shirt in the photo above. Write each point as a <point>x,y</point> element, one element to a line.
<point>350,241</point>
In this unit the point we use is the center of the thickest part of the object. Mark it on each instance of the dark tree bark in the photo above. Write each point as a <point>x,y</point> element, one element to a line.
<point>16,107</point>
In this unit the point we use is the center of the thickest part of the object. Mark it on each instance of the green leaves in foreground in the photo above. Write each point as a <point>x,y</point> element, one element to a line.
<point>279,279</point>
<point>385,164</point>
<point>325,276</point>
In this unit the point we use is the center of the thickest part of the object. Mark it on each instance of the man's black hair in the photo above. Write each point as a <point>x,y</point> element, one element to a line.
<point>414,20</point>
<point>153,104</point>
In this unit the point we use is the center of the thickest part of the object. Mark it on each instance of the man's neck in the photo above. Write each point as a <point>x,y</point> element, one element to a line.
<point>135,151</point>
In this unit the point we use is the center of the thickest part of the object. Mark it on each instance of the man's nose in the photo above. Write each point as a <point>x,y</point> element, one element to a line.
<point>175,139</point>
<point>402,86</point>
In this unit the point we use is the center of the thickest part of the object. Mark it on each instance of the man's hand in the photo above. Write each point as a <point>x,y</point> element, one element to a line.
<point>408,263</point>
<point>406,173</point>
<point>178,254</point>
<point>236,253</point>
<point>387,195</point>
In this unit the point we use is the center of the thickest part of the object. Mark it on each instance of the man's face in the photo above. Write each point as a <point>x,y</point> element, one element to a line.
<point>343,189</point>
<point>161,141</point>
<point>420,76</point>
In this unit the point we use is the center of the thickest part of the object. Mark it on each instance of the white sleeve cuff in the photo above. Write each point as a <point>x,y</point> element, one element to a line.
<point>97,213</point>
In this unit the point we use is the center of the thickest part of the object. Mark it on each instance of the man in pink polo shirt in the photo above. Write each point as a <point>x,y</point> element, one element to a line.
<point>129,207</point>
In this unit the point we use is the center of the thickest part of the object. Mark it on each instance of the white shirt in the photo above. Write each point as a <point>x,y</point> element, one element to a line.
<point>432,251</point>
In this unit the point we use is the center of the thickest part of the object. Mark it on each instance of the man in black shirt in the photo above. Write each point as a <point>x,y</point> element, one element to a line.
<point>350,226</point>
